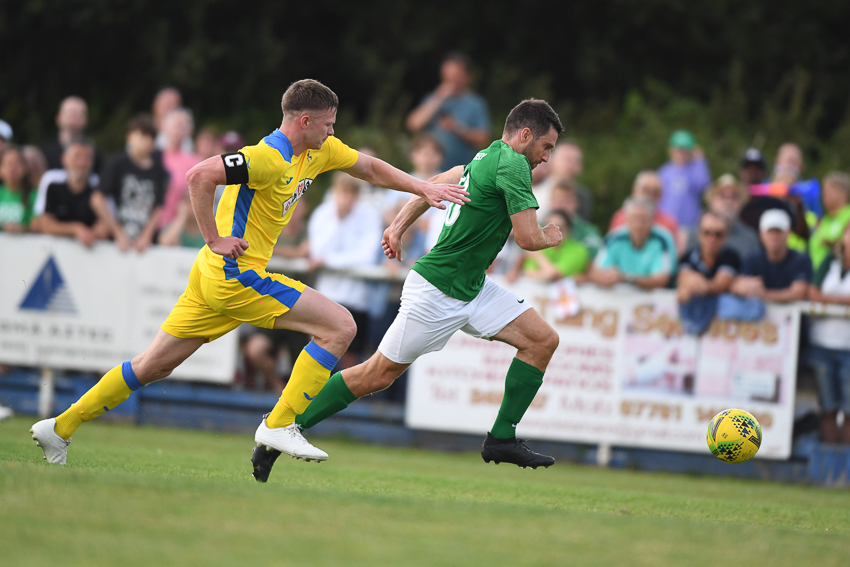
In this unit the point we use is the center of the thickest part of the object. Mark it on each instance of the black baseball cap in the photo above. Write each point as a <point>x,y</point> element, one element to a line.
<point>753,157</point>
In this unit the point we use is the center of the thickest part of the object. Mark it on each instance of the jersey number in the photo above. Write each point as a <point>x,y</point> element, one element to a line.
<point>453,210</point>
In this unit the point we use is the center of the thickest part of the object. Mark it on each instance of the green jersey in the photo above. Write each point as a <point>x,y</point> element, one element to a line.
<point>12,207</point>
<point>570,258</point>
<point>499,184</point>
<point>828,232</point>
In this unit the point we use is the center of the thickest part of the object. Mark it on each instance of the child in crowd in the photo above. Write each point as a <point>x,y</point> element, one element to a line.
<point>136,181</point>
<point>569,259</point>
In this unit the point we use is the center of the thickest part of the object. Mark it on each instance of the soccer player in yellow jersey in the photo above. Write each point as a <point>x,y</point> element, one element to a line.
<point>229,285</point>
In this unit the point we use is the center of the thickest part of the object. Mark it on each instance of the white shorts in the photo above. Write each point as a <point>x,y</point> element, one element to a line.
<point>428,317</point>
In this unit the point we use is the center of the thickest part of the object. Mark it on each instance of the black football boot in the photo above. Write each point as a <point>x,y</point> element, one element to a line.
<point>513,451</point>
<point>263,460</point>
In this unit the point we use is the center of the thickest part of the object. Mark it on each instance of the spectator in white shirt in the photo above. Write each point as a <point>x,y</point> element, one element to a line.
<point>345,233</point>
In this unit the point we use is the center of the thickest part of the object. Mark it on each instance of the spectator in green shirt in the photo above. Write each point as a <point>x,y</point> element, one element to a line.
<point>15,196</point>
<point>569,259</point>
<point>836,195</point>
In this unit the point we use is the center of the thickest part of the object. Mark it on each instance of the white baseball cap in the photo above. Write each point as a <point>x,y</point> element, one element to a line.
<point>774,219</point>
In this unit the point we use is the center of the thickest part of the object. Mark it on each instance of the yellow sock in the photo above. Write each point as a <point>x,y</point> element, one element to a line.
<point>115,387</point>
<point>68,422</point>
<point>310,373</point>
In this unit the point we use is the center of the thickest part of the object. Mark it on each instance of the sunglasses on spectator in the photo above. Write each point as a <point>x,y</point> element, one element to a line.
<point>714,233</point>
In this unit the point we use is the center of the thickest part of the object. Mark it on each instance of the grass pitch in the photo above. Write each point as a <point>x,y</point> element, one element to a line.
<point>148,496</point>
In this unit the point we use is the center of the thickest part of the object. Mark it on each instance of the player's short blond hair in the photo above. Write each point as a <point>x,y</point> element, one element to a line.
<point>308,94</point>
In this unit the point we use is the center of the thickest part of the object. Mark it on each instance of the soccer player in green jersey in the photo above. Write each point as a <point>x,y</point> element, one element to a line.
<point>448,290</point>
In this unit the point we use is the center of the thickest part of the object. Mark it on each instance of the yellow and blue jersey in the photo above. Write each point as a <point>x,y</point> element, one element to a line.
<point>271,181</point>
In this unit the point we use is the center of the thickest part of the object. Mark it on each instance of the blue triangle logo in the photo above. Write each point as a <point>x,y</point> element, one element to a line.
<point>49,292</point>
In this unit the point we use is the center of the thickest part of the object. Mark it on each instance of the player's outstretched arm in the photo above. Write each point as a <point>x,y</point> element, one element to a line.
<point>380,173</point>
<point>529,235</point>
<point>202,180</point>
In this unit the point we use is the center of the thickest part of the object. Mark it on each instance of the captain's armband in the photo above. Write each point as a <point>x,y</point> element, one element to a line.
<point>235,168</point>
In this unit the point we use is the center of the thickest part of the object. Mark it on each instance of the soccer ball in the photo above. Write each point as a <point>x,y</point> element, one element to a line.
<point>734,436</point>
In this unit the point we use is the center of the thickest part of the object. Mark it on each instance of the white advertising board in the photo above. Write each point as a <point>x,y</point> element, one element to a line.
<point>624,373</point>
<point>65,306</point>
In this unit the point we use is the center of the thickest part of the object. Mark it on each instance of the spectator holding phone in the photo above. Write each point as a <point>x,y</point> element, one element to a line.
<point>455,115</point>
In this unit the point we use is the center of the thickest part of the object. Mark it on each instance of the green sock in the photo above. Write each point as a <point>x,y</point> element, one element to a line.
<point>332,398</point>
<point>521,386</point>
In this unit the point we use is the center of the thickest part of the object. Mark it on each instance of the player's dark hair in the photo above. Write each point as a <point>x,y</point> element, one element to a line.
<point>142,123</point>
<point>534,114</point>
<point>308,94</point>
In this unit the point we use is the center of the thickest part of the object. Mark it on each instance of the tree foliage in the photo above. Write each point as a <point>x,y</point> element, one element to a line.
<point>737,73</point>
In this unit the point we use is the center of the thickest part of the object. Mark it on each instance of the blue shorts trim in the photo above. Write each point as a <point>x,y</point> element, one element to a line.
<point>130,376</point>
<point>267,286</point>
<point>321,356</point>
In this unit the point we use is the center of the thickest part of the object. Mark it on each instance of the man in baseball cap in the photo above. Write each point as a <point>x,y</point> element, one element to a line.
<point>774,273</point>
<point>683,178</point>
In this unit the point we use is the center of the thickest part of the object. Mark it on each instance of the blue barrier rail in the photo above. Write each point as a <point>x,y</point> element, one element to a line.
<point>201,406</point>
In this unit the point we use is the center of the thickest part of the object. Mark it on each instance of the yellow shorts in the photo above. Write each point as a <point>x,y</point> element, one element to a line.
<point>211,308</point>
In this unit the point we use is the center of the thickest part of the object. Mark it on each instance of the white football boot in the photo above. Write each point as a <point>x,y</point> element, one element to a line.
<point>55,447</point>
<point>288,440</point>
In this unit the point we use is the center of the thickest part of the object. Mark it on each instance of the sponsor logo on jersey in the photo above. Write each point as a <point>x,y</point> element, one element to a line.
<point>479,156</point>
<point>308,397</point>
<point>303,185</point>
<point>49,292</point>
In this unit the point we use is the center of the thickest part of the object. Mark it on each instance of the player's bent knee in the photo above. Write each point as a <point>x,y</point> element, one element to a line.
<point>552,341</point>
<point>347,328</point>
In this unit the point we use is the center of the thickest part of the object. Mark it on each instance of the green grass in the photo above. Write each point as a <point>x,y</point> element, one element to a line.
<point>148,496</point>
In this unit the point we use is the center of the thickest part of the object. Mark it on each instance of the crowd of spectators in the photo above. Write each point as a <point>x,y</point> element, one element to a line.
<point>726,244</point>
